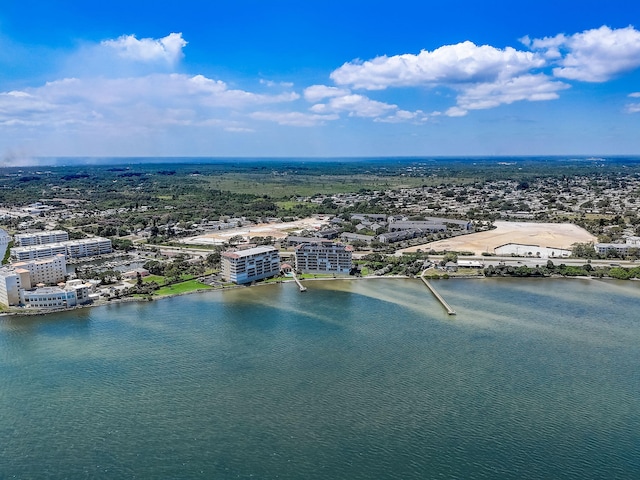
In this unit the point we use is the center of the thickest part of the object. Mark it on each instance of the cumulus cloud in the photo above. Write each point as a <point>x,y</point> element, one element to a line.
<point>456,112</point>
<point>294,119</point>
<point>596,55</point>
<point>485,76</point>
<point>451,64</point>
<point>167,49</point>
<point>339,100</point>
<point>157,99</point>
<point>125,86</point>
<point>315,93</point>
<point>355,105</point>
<point>525,87</point>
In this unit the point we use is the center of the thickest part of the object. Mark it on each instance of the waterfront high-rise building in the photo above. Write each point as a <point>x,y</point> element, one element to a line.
<point>323,257</point>
<point>246,266</point>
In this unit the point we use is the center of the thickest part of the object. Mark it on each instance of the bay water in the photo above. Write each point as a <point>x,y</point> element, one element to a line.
<point>353,379</point>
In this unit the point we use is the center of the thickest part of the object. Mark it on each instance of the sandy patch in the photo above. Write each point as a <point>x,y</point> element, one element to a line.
<point>554,235</point>
<point>275,230</point>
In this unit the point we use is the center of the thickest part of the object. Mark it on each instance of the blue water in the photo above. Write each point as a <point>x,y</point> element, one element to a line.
<point>352,379</point>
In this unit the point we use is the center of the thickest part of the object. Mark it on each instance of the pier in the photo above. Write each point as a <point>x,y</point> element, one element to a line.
<point>444,303</point>
<point>300,286</point>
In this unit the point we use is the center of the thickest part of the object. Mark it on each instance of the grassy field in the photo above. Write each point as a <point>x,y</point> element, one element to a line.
<point>302,276</point>
<point>307,185</point>
<point>161,280</point>
<point>154,278</point>
<point>182,287</point>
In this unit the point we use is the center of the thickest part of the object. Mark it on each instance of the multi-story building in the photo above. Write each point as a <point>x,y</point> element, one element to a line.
<point>245,266</point>
<point>11,284</point>
<point>40,238</point>
<point>323,257</point>
<point>55,297</point>
<point>86,247</point>
<point>619,248</point>
<point>4,242</point>
<point>48,271</point>
<point>424,226</point>
<point>17,281</point>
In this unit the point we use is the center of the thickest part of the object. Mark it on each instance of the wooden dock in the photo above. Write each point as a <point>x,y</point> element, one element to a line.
<point>444,303</point>
<point>300,286</point>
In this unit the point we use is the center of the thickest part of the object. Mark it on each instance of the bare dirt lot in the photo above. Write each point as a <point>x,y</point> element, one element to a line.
<point>275,230</point>
<point>556,235</point>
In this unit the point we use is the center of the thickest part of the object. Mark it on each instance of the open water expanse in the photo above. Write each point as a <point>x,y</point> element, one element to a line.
<point>350,380</point>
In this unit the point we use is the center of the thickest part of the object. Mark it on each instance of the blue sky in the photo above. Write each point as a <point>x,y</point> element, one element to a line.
<point>330,78</point>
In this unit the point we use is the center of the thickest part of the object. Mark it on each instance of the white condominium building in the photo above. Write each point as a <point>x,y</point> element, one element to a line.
<point>55,297</point>
<point>11,283</point>
<point>4,242</point>
<point>86,247</point>
<point>245,266</point>
<point>40,238</point>
<point>323,257</point>
<point>36,252</point>
<point>48,271</point>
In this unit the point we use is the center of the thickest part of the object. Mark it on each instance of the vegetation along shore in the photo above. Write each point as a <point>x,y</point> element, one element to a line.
<point>169,227</point>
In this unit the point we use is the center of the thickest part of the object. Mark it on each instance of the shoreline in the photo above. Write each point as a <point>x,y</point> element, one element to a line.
<point>104,303</point>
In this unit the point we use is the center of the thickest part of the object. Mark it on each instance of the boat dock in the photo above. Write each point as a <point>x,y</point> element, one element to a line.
<point>444,303</point>
<point>300,286</point>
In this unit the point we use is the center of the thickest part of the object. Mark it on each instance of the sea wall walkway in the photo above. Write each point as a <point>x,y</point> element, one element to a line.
<point>300,286</point>
<point>444,303</point>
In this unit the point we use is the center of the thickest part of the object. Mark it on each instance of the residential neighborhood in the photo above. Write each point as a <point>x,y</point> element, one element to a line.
<point>143,246</point>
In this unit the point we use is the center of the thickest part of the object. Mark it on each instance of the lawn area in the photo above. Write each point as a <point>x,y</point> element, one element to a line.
<point>277,279</point>
<point>182,287</point>
<point>161,280</point>
<point>302,276</point>
<point>153,278</point>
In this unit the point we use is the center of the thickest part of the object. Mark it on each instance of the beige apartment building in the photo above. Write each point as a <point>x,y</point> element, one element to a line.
<point>246,266</point>
<point>324,257</point>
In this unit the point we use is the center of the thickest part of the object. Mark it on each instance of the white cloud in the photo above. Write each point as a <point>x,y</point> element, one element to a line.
<point>355,105</point>
<point>596,55</point>
<point>483,76</point>
<point>239,130</point>
<point>152,100</point>
<point>632,108</point>
<point>294,119</point>
<point>167,49</point>
<point>549,46</point>
<point>451,64</point>
<point>270,83</point>
<point>486,76</point>
<point>456,112</point>
<point>401,116</point>
<point>548,42</point>
<point>634,95</point>
<point>525,87</point>
<point>358,106</point>
<point>315,93</point>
